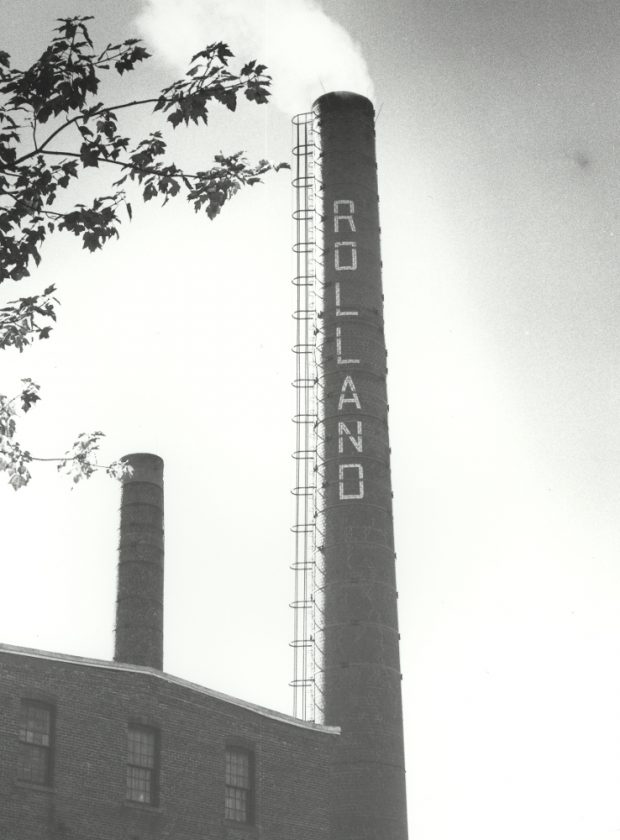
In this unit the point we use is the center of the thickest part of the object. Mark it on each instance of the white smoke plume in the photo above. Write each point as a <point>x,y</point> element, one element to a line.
<point>307,52</point>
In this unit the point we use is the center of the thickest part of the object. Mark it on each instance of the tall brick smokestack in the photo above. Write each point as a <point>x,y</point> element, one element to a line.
<point>140,595</point>
<point>362,679</point>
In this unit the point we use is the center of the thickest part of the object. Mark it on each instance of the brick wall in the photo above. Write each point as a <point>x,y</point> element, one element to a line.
<point>94,701</point>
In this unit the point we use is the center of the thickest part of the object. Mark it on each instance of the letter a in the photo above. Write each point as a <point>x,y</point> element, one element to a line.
<point>348,386</point>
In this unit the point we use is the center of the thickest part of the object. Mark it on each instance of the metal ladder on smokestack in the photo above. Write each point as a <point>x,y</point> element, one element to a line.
<point>307,611</point>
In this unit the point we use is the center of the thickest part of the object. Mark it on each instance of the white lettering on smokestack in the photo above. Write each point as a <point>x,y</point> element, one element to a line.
<point>340,313</point>
<point>344,431</point>
<point>349,385</point>
<point>339,358</point>
<point>348,487</point>
<point>359,478</point>
<point>338,217</point>
<point>338,263</point>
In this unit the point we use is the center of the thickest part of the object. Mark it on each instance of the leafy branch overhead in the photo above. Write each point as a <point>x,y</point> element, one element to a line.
<point>59,93</point>
<point>79,462</point>
<point>53,127</point>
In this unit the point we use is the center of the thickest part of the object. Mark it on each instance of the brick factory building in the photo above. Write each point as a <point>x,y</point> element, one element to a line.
<point>98,750</point>
<point>95,750</point>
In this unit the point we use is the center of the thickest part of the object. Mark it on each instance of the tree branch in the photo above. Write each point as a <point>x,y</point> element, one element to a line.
<point>127,165</point>
<point>82,116</point>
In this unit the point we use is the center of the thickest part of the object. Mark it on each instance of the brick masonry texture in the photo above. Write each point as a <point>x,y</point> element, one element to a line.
<point>95,701</point>
<point>140,596</point>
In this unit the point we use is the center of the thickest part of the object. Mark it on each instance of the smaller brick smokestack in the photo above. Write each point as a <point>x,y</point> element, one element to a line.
<point>140,594</point>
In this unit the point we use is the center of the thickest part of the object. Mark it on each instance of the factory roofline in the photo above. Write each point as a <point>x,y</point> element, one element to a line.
<point>107,665</point>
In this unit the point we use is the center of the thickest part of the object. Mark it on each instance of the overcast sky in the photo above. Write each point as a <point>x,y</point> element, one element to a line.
<point>497,130</point>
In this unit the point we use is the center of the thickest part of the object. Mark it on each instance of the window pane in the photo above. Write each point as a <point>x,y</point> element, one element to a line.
<point>35,724</point>
<point>237,805</point>
<point>35,736</point>
<point>239,785</point>
<point>238,768</point>
<point>33,764</point>
<point>139,788</point>
<point>142,764</point>
<point>141,747</point>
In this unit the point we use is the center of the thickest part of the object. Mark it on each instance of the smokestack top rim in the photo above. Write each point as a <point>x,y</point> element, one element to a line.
<point>337,99</point>
<point>145,466</point>
<point>150,456</point>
